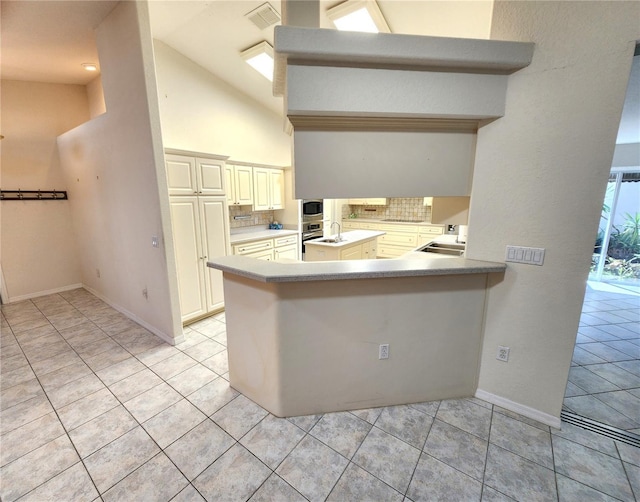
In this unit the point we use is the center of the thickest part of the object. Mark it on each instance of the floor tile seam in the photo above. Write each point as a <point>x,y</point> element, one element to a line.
<point>331,447</point>
<point>551,469</point>
<point>100,493</point>
<point>377,477</point>
<point>172,376</point>
<point>574,441</point>
<point>629,477</point>
<point>466,474</point>
<point>486,440</point>
<point>399,438</point>
<point>63,433</point>
<point>632,419</point>
<point>604,378</point>
<point>566,474</point>
<point>632,356</point>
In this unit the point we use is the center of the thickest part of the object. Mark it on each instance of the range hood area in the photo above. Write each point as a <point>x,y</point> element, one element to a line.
<point>387,115</point>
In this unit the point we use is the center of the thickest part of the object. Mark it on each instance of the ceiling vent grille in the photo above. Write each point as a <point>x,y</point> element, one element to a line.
<point>264,16</point>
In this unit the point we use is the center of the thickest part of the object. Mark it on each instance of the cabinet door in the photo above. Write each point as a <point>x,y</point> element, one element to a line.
<point>181,175</point>
<point>352,253</point>
<point>276,188</point>
<point>261,189</point>
<point>230,184</point>
<point>244,185</point>
<point>370,249</point>
<point>214,218</point>
<point>289,252</point>
<point>185,220</point>
<point>211,176</point>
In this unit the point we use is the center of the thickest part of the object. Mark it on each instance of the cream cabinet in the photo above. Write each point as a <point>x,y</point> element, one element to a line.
<point>191,175</point>
<point>368,202</point>
<point>448,210</point>
<point>398,238</point>
<point>268,189</point>
<point>239,180</point>
<point>200,232</point>
<point>360,250</point>
<point>426,233</point>
<point>287,246</point>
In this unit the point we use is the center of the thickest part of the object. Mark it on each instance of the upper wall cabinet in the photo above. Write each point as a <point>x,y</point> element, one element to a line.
<point>239,181</point>
<point>191,175</point>
<point>268,189</point>
<point>448,210</point>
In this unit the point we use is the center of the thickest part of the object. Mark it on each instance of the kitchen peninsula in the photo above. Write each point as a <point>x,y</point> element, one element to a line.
<point>304,338</point>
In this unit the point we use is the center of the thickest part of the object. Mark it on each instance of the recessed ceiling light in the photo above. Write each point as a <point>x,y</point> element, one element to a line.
<point>260,57</point>
<point>90,66</point>
<point>358,15</point>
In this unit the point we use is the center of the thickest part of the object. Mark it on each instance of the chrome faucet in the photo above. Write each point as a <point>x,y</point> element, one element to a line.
<point>338,238</point>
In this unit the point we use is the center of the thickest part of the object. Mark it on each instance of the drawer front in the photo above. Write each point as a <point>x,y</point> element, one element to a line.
<point>286,241</point>
<point>351,225</point>
<point>369,226</point>
<point>261,255</point>
<point>409,240</point>
<point>431,230</point>
<point>251,247</point>
<point>410,229</point>
<point>391,251</point>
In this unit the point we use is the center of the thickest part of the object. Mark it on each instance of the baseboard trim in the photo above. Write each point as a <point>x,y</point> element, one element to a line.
<point>521,409</point>
<point>15,299</point>
<point>160,334</point>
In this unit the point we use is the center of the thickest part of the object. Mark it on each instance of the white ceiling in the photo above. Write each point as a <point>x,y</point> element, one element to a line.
<point>47,40</point>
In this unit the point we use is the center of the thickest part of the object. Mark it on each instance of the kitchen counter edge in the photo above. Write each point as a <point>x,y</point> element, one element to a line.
<point>293,271</point>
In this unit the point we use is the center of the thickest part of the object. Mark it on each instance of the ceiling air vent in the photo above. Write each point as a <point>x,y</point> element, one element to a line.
<point>264,16</point>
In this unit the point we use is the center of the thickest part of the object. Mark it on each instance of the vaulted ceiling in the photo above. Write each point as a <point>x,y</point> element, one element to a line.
<point>48,40</point>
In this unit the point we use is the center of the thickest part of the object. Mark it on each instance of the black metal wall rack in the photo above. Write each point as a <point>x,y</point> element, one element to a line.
<point>33,195</point>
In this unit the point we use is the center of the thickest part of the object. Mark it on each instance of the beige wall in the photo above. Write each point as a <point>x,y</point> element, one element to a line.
<point>201,113</point>
<point>539,180</point>
<point>117,181</point>
<point>37,242</point>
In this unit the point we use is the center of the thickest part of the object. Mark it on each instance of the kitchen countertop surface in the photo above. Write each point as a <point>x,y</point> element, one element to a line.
<point>350,237</point>
<point>273,271</point>
<point>247,234</point>
<point>391,221</point>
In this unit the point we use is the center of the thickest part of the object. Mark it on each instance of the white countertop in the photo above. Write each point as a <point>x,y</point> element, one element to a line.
<point>350,237</point>
<point>247,234</point>
<point>274,271</point>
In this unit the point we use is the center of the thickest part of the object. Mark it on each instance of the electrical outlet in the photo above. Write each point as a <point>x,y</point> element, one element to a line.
<point>98,273</point>
<point>503,353</point>
<point>383,351</point>
<point>154,241</point>
<point>145,293</point>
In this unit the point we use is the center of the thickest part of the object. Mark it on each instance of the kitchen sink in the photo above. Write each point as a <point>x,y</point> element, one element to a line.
<point>332,240</point>
<point>448,248</point>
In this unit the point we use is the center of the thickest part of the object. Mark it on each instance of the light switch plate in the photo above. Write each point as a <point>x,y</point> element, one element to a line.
<point>521,254</point>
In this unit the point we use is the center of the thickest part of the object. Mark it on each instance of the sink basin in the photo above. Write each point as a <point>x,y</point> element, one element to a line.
<point>449,248</point>
<point>332,240</point>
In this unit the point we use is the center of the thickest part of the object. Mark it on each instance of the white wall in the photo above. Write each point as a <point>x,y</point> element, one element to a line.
<point>539,180</point>
<point>117,181</point>
<point>201,113</point>
<point>37,241</point>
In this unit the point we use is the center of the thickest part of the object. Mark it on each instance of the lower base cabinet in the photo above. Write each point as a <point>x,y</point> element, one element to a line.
<point>362,250</point>
<point>200,232</point>
<point>286,247</point>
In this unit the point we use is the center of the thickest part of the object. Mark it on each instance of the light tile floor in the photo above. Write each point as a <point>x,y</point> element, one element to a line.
<point>604,380</point>
<point>93,407</point>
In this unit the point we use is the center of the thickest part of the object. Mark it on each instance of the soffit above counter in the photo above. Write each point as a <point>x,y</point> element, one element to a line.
<point>323,47</point>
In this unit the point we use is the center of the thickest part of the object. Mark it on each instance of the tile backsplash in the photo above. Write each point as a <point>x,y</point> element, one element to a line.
<point>254,218</point>
<point>397,209</point>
